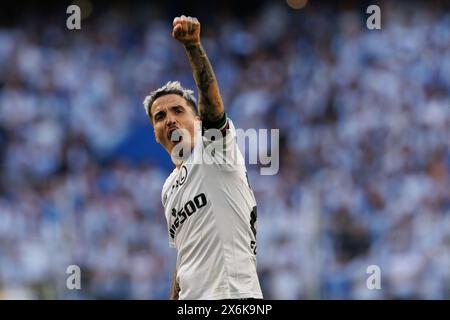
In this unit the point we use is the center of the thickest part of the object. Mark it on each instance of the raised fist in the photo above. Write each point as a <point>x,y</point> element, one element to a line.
<point>186,30</point>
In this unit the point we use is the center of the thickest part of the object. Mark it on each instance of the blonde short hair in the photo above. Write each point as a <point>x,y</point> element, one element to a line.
<point>171,87</point>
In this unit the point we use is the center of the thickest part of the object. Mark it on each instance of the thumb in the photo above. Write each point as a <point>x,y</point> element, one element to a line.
<point>177,31</point>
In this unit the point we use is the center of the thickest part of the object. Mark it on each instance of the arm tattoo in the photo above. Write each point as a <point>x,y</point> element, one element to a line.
<point>210,102</point>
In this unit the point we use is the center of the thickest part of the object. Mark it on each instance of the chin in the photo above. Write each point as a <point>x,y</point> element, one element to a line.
<point>180,152</point>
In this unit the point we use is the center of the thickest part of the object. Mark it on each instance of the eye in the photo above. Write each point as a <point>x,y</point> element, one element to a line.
<point>178,111</point>
<point>159,116</point>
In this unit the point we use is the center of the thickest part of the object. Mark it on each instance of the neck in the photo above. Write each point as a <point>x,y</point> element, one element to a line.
<point>179,162</point>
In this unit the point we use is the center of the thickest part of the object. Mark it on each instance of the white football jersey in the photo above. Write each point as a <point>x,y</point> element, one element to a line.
<point>211,215</point>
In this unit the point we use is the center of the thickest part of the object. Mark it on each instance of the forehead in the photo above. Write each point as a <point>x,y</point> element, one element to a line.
<point>168,100</point>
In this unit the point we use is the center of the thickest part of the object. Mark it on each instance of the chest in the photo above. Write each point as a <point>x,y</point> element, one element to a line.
<point>185,197</point>
<point>182,188</point>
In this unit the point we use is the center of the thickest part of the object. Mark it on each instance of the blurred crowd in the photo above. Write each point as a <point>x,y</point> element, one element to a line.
<point>364,180</point>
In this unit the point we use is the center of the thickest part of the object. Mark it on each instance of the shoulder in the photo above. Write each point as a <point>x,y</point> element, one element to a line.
<point>167,185</point>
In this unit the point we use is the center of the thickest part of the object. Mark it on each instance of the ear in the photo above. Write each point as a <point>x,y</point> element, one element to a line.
<point>197,121</point>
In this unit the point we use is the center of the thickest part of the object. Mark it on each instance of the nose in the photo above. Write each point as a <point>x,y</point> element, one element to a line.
<point>170,120</point>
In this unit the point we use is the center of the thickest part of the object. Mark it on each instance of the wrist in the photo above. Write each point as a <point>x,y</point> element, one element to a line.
<point>192,45</point>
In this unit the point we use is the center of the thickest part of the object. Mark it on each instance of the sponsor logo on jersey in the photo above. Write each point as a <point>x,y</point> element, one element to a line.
<point>188,209</point>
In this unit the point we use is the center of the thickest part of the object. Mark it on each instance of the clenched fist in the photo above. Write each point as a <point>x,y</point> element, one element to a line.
<point>186,30</point>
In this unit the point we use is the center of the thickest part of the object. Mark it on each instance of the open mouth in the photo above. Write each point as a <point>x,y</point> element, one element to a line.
<point>174,138</point>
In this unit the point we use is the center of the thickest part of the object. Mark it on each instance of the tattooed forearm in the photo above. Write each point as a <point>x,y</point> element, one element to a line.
<point>210,102</point>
